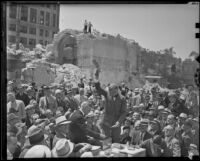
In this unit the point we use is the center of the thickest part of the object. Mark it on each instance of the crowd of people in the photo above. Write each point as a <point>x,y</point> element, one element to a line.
<point>52,121</point>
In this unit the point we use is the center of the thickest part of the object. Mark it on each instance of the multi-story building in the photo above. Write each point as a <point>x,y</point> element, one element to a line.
<point>32,24</point>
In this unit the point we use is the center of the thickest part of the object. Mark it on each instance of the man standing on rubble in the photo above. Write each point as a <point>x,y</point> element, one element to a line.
<point>115,110</point>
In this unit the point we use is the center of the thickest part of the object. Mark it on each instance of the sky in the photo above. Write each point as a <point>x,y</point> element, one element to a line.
<point>154,27</point>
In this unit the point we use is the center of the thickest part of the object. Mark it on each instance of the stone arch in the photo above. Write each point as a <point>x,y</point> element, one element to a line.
<point>65,48</point>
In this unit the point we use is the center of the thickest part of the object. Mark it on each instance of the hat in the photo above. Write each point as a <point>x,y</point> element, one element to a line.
<point>38,151</point>
<point>90,114</point>
<point>168,127</point>
<point>144,122</point>
<point>69,91</point>
<point>171,94</point>
<point>182,97</point>
<point>63,148</point>
<point>126,127</point>
<point>161,107</point>
<point>35,134</point>
<point>61,120</point>
<point>193,146</point>
<point>196,119</point>
<point>33,131</point>
<point>29,107</point>
<point>155,121</point>
<point>29,89</point>
<point>12,116</point>
<point>171,116</point>
<point>183,115</point>
<point>188,123</point>
<point>87,155</point>
<point>136,90</point>
<point>58,91</point>
<point>113,85</point>
<point>167,111</point>
<point>46,87</point>
<point>10,82</point>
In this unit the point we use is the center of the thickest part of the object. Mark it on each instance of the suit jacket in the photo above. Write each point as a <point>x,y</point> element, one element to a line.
<point>152,150</point>
<point>115,110</point>
<point>138,137</point>
<point>24,97</point>
<point>78,129</point>
<point>71,103</point>
<point>173,147</point>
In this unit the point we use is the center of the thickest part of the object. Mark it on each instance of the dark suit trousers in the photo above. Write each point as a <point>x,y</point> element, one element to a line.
<point>114,133</point>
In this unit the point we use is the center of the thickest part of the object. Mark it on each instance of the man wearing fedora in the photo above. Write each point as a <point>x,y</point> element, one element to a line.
<point>61,129</point>
<point>35,136</point>
<point>47,102</point>
<point>78,130</point>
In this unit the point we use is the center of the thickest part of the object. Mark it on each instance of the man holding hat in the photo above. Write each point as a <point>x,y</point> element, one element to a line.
<point>115,111</point>
<point>136,100</point>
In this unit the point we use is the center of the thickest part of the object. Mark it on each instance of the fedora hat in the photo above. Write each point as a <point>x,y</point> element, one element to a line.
<point>161,107</point>
<point>61,120</point>
<point>183,115</point>
<point>38,151</point>
<point>35,134</point>
<point>63,148</point>
<point>136,90</point>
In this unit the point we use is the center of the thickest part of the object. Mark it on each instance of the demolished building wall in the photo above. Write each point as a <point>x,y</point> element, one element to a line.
<point>117,57</point>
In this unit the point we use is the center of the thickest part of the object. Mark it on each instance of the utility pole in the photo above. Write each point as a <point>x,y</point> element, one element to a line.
<point>18,27</point>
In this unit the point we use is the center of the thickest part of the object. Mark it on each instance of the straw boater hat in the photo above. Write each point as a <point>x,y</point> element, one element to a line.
<point>61,120</point>
<point>183,115</point>
<point>63,148</point>
<point>161,107</point>
<point>38,151</point>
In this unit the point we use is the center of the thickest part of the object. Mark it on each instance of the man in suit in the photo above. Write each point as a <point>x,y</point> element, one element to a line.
<point>71,103</point>
<point>47,102</point>
<point>78,130</point>
<point>22,96</point>
<point>115,110</point>
<point>143,128</point>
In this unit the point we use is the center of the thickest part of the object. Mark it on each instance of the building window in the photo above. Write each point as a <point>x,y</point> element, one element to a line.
<point>24,13</point>
<point>23,40</point>
<point>46,43</point>
<point>47,19</point>
<point>12,39</point>
<point>23,29</point>
<point>48,6</point>
<point>12,27</point>
<point>32,31</point>
<point>54,7</point>
<point>41,42</point>
<point>41,32</point>
<point>54,20</point>
<point>32,42</point>
<point>13,11</point>
<point>53,33</point>
<point>46,33</point>
<point>33,15</point>
<point>42,17</point>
